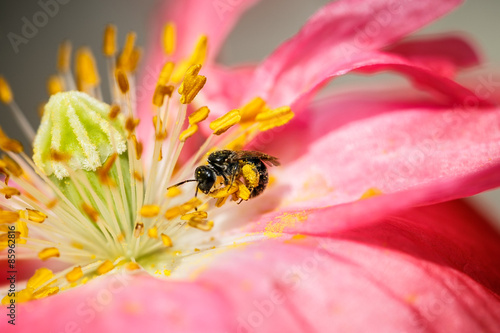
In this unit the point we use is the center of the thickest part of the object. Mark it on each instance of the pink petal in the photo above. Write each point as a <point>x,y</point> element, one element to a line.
<point>225,88</point>
<point>333,41</point>
<point>442,53</point>
<point>433,269</point>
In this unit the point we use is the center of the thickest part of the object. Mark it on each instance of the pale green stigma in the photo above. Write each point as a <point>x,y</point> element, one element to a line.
<point>78,126</point>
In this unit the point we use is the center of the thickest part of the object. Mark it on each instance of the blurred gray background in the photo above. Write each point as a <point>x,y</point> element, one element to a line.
<point>256,35</point>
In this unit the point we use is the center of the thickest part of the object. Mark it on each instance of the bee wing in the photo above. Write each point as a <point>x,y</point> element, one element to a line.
<point>267,159</point>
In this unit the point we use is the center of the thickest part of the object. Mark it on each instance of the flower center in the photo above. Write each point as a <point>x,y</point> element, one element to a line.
<point>92,197</point>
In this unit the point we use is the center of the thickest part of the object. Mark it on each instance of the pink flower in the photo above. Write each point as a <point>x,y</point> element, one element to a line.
<point>361,229</point>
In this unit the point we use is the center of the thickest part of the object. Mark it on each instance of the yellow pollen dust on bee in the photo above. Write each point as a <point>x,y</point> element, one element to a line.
<point>93,196</point>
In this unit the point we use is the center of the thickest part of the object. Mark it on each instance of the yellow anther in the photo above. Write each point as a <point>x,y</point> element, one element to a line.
<point>169,38</point>
<point>109,42</point>
<point>134,59</point>
<point>173,192</point>
<point>105,267</point>
<point>77,245</point>
<point>251,175</point>
<point>90,212</point>
<point>225,191</point>
<point>201,225</point>
<point>114,111</point>
<point>195,87</point>
<point>153,232</point>
<point>5,91</point>
<point>103,172</point>
<point>138,147</point>
<point>49,252</point>
<point>8,144</point>
<point>166,240</point>
<point>150,210</point>
<point>121,237</point>
<point>22,228</point>
<point>8,216</point>
<point>125,60</point>
<point>200,51</point>
<point>243,192</point>
<point>198,115</point>
<point>52,203</point>
<point>190,74</point>
<point>220,202</point>
<point>173,212</point>
<point>274,118</point>
<point>33,215</point>
<point>132,266</point>
<point>252,109</point>
<point>222,124</point>
<point>166,73</point>
<point>86,71</point>
<point>54,85</point>
<point>191,204</point>
<point>122,80</point>
<point>188,132</point>
<point>138,229</point>
<point>370,193</point>
<point>75,274</point>
<point>12,166</point>
<point>199,215</point>
<point>137,175</point>
<point>9,191</point>
<point>45,292</point>
<point>40,278</point>
<point>64,56</point>
<point>131,124</point>
<point>160,92</point>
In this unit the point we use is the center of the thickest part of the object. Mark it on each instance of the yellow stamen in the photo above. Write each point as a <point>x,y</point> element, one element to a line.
<point>200,51</point>
<point>121,79</point>
<point>252,109</point>
<point>274,118</point>
<point>8,217</point>
<point>49,252</point>
<point>33,215</point>
<point>169,38</point>
<point>109,43</point>
<point>64,57</point>
<point>138,229</point>
<point>198,115</point>
<point>22,228</point>
<point>195,88</point>
<point>160,92</point>
<point>138,147</point>
<point>225,191</point>
<point>41,277</point>
<point>131,124</point>
<point>201,225</point>
<point>86,71</point>
<point>54,85</point>
<point>103,172</point>
<point>222,124</point>
<point>132,266</point>
<point>150,210</point>
<point>12,166</point>
<point>105,267</point>
<point>75,274</point>
<point>173,192</point>
<point>166,73</point>
<point>44,292</point>
<point>166,240</point>
<point>114,111</point>
<point>90,212</point>
<point>153,232</point>
<point>9,191</point>
<point>189,132</point>
<point>5,91</point>
<point>199,215</point>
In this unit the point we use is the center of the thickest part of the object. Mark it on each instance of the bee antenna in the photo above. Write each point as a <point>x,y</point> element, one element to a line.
<point>184,181</point>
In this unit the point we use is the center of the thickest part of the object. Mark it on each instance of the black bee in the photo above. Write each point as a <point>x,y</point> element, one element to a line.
<point>228,164</point>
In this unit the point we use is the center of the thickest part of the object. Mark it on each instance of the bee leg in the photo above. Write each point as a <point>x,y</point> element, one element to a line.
<point>241,200</point>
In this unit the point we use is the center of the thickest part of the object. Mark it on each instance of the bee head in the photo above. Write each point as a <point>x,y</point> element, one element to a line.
<point>205,177</point>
